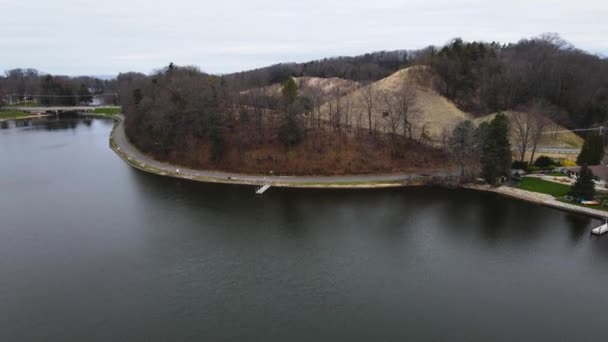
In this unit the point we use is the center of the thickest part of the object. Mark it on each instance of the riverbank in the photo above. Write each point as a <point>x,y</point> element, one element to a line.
<point>134,157</point>
<point>24,117</point>
<point>538,198</point>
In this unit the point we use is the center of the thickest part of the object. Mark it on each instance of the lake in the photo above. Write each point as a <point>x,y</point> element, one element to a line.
<point>94,250</point>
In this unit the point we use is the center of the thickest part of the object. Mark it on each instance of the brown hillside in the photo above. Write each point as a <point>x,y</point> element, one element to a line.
<point>320,153</point>
<point>437,114</point>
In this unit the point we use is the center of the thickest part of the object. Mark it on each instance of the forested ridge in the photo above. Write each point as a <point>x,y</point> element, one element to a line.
<point>480,77</point>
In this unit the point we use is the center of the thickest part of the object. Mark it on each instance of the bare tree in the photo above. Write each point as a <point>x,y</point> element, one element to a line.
<point>425,135</point>
<point>462,145</point>
<point>522,127</point>
<point>392,117</point>
<point>337,95</point>
<point>539,122</point>
<point>407,109</point>
<point>359,123</point>
<point>369,97</point>
<point>347,110</point>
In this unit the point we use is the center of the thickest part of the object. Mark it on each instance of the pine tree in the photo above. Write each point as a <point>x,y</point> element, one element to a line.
<point>462,144</point>
<point>584,187</point>
<point>291,130</point>
<point>592,152</point>
<point>290,91</point>
<point>496,157</point>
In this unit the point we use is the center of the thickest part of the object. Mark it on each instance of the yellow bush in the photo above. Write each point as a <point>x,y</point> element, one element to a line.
<point>568,163</point>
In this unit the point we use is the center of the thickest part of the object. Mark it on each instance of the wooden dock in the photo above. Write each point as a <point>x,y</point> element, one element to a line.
<point>263,189</point>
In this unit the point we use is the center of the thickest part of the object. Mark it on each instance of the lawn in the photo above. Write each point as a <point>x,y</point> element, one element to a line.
<point>107,110</point>
<point>544,187</point>
<point>12,114</point>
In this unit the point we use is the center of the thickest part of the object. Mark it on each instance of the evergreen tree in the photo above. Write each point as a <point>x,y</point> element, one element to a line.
<point>584,187</point>
<point>290,91</point>
<point>291,129</point>
<point>592,152</point>
<point>496,157</point>
<point>462,144</point>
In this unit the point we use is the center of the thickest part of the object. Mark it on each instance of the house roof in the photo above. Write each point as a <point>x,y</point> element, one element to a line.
<point>600,171</point>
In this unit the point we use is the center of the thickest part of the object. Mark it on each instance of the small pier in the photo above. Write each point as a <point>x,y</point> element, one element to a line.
<point>263,189</point>
<point>601,230</point>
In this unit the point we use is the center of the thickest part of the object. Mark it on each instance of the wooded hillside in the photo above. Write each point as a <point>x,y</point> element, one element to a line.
<point>381,112</point>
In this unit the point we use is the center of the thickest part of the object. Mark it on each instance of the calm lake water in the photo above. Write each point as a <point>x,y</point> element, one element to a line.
<point>93,250</point>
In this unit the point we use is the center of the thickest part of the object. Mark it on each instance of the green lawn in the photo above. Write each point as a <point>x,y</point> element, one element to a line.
<point>544,187</point>
<point>12,114</point>
<point>107,110</point>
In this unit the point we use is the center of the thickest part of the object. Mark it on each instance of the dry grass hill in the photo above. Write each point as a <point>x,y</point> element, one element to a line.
<point>436,114</point>
<point>321,87</point>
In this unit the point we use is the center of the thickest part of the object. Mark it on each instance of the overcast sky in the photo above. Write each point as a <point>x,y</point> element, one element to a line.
<point>109,36</point>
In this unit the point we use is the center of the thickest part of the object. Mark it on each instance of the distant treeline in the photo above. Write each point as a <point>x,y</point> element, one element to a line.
<point>29,86</point>
<point>368,67</point>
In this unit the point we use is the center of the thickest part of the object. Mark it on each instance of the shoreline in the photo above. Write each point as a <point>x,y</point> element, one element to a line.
<point>137,159</point>
<point>26,117</point>
<point>334,182</point>
<point>539,199</point>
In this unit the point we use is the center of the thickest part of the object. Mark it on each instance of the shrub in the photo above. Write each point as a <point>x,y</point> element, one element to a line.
<point>544,162</point>
<point>584,187</point>
<point>519,165</point>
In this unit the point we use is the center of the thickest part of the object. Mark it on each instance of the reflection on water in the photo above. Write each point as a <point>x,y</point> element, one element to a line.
<point>50,123</point>
<point>88,244</point>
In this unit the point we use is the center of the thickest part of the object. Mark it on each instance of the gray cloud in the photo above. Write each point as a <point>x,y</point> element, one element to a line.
<point>101,37</point>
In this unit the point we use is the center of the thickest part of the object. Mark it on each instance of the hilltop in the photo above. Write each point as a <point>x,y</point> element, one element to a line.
<point>433,115</point>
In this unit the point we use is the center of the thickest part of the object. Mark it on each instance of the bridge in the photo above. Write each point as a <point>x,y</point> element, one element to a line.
<point>56,110</point>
